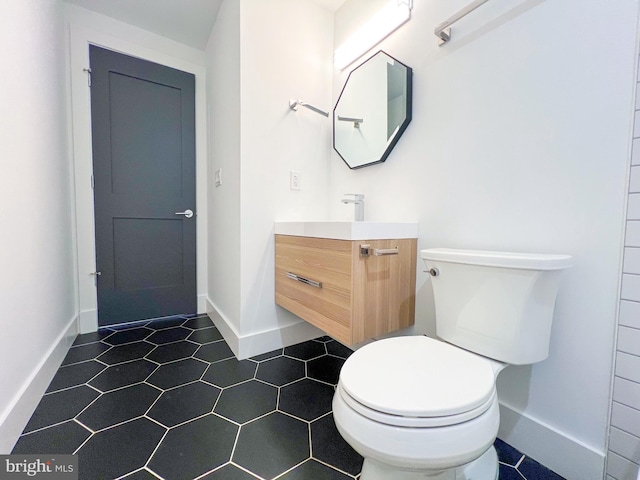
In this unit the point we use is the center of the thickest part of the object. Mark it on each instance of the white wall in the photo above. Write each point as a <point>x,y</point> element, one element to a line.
<point>285,50</point>
<point>223,106</point>
<point>86,27</point>
<point>519,141</point>
<point>37,299</point>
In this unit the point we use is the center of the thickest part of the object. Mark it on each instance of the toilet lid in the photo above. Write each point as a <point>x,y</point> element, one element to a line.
<point>417,376</point>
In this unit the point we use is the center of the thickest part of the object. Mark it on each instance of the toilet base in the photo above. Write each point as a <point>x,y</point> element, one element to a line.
<point>483,468</point>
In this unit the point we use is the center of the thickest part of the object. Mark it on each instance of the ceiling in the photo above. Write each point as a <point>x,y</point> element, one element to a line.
<point>185,21</point>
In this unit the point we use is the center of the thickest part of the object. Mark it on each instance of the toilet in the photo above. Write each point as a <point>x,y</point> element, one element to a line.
<point>421,408</point>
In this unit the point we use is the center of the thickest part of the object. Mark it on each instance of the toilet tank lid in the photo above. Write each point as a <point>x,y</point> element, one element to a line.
<point>526,261</point>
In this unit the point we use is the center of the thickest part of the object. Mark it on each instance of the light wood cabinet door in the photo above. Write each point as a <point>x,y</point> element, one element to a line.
<point>349,296</point>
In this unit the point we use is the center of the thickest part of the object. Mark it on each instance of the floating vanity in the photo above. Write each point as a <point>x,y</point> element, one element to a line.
<point>353,280</point>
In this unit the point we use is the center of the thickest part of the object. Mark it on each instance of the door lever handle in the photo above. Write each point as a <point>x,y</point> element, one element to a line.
<point>186,213</point>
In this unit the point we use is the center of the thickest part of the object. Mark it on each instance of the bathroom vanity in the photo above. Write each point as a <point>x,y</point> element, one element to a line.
<point>353,280</point>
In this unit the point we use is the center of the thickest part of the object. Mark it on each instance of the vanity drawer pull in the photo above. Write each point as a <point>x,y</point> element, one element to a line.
<point>366,250</point>
<point>306,281</point>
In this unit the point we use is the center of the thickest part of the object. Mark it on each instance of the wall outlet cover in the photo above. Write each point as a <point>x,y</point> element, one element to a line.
<point>295,180</point>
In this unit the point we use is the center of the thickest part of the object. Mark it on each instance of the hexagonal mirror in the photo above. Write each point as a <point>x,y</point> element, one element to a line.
<point>372,111</point>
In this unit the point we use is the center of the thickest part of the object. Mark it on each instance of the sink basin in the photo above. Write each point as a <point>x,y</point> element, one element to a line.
<point>349,230</point>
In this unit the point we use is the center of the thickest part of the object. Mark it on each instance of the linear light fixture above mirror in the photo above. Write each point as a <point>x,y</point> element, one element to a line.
<point>394,14</point>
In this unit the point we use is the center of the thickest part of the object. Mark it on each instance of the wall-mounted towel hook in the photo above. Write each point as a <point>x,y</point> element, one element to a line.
<point>293,105</point>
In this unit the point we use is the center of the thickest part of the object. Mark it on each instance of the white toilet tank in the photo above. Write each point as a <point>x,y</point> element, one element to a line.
<point>497,304</point>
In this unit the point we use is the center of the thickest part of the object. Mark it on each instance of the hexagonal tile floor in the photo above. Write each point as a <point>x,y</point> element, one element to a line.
<point>166,399</point>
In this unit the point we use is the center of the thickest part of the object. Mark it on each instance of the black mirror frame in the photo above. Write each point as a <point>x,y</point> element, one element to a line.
<point>404,124</point>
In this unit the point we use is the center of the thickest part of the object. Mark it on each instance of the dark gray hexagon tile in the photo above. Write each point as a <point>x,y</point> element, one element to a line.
<point>73,375</point>
<point>206,335</point>
<point>507,472</point>
<point>123,374</point>
<point>230,472</point>
<point>530,469</point>
<point>329,447</point>
<point>272,445</point>
<point>82,353</point>
<point>506,453</point>
<point>172,352</point>
<point>60,406</point>
<point>168,322</point>
<point>230,372</point>
<point>119,406</point>
<point>280,370</point>
<point>325,369</point>
<point>198,323</point>
<point>312,469</point>
<point>338,349</point>
<point>195,448</point>
<point>305,350</point>
<point>247,401</point>
<point>268,355</point>
<point>177,373</point>
<point>128,336</point>
<point>120,450</point>
<point>214,352</point>
<point>169,335</point>
<point>181,404</point>
<point>126,353</point>
<point>62,439</point>
<point>84,338</point>
<point>127,326</point>
<point>142,474</point>
<point>323,339</point>
<point>306,399</point>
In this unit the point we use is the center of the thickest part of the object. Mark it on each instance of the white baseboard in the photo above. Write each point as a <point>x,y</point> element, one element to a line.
<point>557,451</point>
<point>245,346</point>
<point>25,401</point>
<point>202,303</point>
<point>88,321</point>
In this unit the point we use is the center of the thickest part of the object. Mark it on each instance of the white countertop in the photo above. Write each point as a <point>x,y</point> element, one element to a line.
<point>349,230</point>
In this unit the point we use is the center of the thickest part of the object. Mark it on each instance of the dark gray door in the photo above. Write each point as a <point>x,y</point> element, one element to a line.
<point>143,128</point>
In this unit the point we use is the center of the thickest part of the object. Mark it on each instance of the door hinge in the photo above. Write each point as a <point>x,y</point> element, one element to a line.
<point>93,183</point>
<point>88,70</point>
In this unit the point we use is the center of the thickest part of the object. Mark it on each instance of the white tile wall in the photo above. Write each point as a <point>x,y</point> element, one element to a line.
<point>631,260</point>
<point>630,287</point>
<point>630,314</point>
<point>635,156</point>
<point>626,419</point>
<point>623,458</point>
<point>629,340</point>
<point>634,183</point>
<point>626,392</point>
<point>632,237</point>
<point>621,468</point>
<point>628,366</point>
<point>633,208</point>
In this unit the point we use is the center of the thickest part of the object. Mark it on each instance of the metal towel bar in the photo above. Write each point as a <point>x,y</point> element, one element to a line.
<point>293,105</point>
<point>366,250</point>
<point>443,30</point>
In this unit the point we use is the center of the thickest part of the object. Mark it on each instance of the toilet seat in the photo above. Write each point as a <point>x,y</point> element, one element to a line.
<point>417,381</point>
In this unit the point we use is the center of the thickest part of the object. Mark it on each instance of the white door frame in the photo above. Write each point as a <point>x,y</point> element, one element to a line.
<point>80,37</point>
